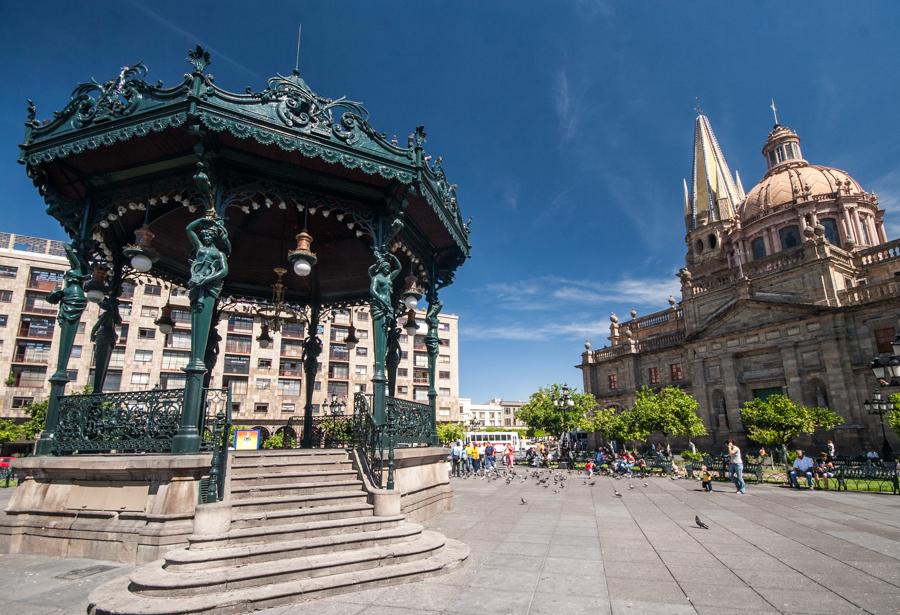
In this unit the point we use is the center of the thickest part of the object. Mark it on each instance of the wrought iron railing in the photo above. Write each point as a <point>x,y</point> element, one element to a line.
<point>216,432</point>
<point>407,424</point>
<point>128,422</point>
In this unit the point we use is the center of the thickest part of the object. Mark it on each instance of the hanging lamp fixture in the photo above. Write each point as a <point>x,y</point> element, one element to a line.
<point>95,288</point>
<point>164,323</point>
<point>302,258</point>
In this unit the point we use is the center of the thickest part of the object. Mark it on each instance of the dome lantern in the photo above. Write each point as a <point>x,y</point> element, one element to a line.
<point>782,147</point>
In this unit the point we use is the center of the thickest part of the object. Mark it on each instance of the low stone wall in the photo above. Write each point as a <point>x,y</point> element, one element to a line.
<point>421,483</point>
<point>126,508</point>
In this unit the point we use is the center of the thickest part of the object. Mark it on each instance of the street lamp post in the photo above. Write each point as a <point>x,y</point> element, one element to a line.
<point>886,369</point>
<point>880,406</point>
<point>565,401</point>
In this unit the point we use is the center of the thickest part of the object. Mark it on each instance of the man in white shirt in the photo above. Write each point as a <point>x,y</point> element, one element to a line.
<point>802,465</point>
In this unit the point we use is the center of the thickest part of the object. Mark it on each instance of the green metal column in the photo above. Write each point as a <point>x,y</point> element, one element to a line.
<point>432,343</point>
<point>392,358</point>
<point>208,270</point>
<point>312,348</point>
<point>382,275</point>
<point>72,301</point>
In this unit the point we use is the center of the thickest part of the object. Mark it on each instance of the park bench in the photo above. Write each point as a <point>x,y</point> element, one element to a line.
<point>868,474</point>
<point>655,464</point>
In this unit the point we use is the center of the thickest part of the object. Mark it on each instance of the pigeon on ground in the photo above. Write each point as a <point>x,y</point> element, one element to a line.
<point>523,501</point>
<point>645,484</point>
<point>700,523</point>
<point>616,493</point>
<point>630,486</point>
<point>592,483</point>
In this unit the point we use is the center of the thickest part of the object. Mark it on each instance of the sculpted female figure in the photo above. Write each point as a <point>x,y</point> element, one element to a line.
<point>383,273</point>
<point>71,297</point>
<point>210,263</point>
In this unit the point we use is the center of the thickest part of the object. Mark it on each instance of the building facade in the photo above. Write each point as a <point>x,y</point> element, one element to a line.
<point>266,383</point>
<point>495,413</point>
<point>792,287</point>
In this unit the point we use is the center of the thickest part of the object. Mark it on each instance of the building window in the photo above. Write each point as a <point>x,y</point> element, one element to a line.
<point>240,323</point>
<point>831,231</point>
<point>81,328</point>
<point>443,359</point>
<point>676,373</point>
<point>263,383</point>
<point>174,360</point>
<point>149,311</point>
<point>789,236</point>
<point>338,389</point>
<point>125,310</point>
<point>236,364</point>
<point>444,375</point>
<point>21,402</point>
<point>5,296</point>
<point>3,319</point>
<point>264,364</point>
<point>143,356</point>
<point>261,407</point>
<point>288,387</point>
<point>758,247</point>
<point>883,338</point>
<point>362,334</point>
<point>238,343</point>
<point>238,386</point>
<point>72,375</point>
<point>361,370</point>
<point>173,381</point>
<point>402,390</point>
<point>362,351</point>
<point>443,326</point>
<point>613,382</point>
<point>402,372</point>
<point>317,385</point>
<point>7,271</point>
<point>43,279</point>
<point>146,334</point>
<point>152,290</point>
<point>443,392</point>
<point>420,394</point>
<point>359,388</point>
<point>76,352</point>
<point>140,378</point>
<point>235,407</point>
<point>293,329</point>
<point>179,339</point>
<point>653,375</point>
<point>182,317</point>
<point>340,371</point>
<point>291,348</point>
<point>288,408</point>
<point>865,230</point>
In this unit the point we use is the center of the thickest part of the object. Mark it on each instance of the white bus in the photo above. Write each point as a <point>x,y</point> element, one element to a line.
<point>498,438</point>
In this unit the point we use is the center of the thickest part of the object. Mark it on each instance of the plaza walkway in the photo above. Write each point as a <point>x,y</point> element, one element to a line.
<point>581,549</point>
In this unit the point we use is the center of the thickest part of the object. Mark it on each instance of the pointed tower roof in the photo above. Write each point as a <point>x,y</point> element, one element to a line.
<point>714,192</point>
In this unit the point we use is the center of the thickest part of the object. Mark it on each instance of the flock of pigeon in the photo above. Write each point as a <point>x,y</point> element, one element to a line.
<point>556,480</point>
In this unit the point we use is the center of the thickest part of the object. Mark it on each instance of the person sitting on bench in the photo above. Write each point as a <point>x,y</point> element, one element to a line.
<point>802,465</point>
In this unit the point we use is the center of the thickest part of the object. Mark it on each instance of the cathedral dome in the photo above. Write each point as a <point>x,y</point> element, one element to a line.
<point>797,183</point>
<point>791,180</point>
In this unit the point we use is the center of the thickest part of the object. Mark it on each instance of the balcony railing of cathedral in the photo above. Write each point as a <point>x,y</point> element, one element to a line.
<point>656,318</point>
<point>663,341</point>
<point>883,253</point>
<point>610,352</point>
<point>871,292</point>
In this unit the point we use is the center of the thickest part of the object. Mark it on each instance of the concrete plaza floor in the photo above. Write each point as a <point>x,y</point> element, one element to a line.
<point>581,549</point>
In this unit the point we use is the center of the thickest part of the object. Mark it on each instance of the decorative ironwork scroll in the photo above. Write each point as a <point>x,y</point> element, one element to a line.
<point>138,421</point>
<point>408,422</point>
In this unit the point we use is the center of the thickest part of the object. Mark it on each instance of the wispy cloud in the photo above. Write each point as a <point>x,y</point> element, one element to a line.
<point>554,307</point>
<point>509,194</point>
<point>888,189</point>
<point>193,39</point>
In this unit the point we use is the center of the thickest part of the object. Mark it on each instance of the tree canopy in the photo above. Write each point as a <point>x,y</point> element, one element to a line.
<point>893,415</point>
<point>777,420</point>
<point>450,432</point>
<point>671,412</point>
<point>541,412</point>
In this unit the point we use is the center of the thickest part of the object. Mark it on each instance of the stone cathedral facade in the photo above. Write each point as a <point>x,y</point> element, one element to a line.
<point>792,287</point>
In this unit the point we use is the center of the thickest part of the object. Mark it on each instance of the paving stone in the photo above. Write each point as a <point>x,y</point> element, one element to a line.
<point>555,604</point>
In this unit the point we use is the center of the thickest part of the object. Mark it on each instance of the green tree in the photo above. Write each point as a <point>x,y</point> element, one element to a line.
<point>276,440</point>
<point>9,431</point>
<point>776,420</point>
<point>671,412</point>
<point>37,416</point>
<point>893,416</point>
<point>617,425</point>
<point>542,412</point>
<point>450,432</point>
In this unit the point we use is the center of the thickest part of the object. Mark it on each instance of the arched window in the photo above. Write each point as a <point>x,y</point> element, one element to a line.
<point>699,246</point>
<point>831,231</point>
<point>790,237</point>
<point>758,247</point>
<point>720,407</point>
<point>711,241</point>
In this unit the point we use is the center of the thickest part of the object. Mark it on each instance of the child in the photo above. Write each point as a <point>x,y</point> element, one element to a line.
<point>705,478</point>
<point>589,468</point>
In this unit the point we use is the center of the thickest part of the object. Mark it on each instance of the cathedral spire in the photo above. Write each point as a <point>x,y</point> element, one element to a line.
<point>714,194</point>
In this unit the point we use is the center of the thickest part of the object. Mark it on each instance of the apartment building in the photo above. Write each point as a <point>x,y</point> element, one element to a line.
<point>266,383</point>
<point>496,413</point>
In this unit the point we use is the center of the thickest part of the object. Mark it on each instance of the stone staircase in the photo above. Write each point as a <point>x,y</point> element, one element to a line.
<point>301,528</point>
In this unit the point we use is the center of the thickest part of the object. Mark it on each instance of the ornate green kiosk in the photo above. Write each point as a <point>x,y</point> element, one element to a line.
<point>212,191</point>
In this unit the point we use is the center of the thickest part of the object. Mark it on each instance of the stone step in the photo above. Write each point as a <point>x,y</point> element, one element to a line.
<point>293,476</point>
<point>276,466</point>
<point>264,489</point>
<point>180,560</point>
<point>256,518</point>
<point>115,597</point>
<point>249,458</point>
<point>287,502</point>
<point>292,531</point>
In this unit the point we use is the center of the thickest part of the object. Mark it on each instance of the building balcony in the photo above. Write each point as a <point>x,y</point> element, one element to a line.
<point>47,286</point>
<point>31,359</point>
<point>35,333</point>
<point>290,373</point>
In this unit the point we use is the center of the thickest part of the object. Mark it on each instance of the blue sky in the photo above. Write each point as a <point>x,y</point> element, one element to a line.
<point>567,125</point>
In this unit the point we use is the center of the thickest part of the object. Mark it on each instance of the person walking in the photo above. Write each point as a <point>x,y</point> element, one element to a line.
<point>467,458</point>
<point>489,457</point>
<point>508,457</point>
<point>736,467</point>
<point>475,454</point>
<point>456,458</point>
